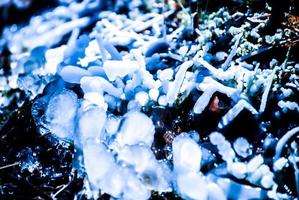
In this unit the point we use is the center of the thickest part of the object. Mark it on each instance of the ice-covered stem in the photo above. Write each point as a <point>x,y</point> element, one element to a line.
<point>117,68</point>
<point>203,101</point>
<point>101,46</point>
<point>159,46</point>
<point>100,85</point>
<point>139,58</point>
<point>185,11</point>
<point>115,55</point>
<point>60,190</point>
<point>296,171</point>
<point>53,36</point>
<point>200,61</point>
<point>71,43</point>
<point>233,52</point>
<point>223,146</point>
<point>269,83</point>
<point>283,140</point>
<point>235,190</point>
<point>234,112</point>
<point>289,105</point>
<point>177,83</point>
<point>210,86</point>
<point>107,46</point>
<point>266,91</point>
<point>139,27</point>
<point>88,6</point>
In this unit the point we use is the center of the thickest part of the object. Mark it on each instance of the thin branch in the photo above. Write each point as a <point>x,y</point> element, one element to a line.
<point>10,165</point>
<point>60,190</point>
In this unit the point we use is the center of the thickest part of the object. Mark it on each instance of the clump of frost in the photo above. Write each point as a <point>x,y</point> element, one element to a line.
<point>91,123</point>
<point>187,157</point>
<point>223,146</point>
<point>136,128</point>
<point>142,159</point>
<point>242,147</point>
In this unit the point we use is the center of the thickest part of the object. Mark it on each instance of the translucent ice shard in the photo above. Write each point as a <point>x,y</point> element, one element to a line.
<point>112,124</point>
<point>96,98</point>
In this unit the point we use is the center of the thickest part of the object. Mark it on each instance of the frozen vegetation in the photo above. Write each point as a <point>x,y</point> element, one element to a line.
<point>99,90</point>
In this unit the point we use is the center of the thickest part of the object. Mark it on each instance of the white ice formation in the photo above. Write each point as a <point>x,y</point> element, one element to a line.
<point>103,110</point>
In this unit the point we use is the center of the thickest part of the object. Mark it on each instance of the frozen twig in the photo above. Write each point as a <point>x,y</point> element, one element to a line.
<point>60,190</point>
<point>266,91</point>
<point>10,165</point>
<point>296,171</point>
<point>233,52</point>
<point>200,61</point>
<point>55,35</point>
<point>177,83</point>
<point>234,112</point>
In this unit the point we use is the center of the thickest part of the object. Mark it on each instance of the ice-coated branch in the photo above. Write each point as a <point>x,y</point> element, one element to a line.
<point>283,140</point>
